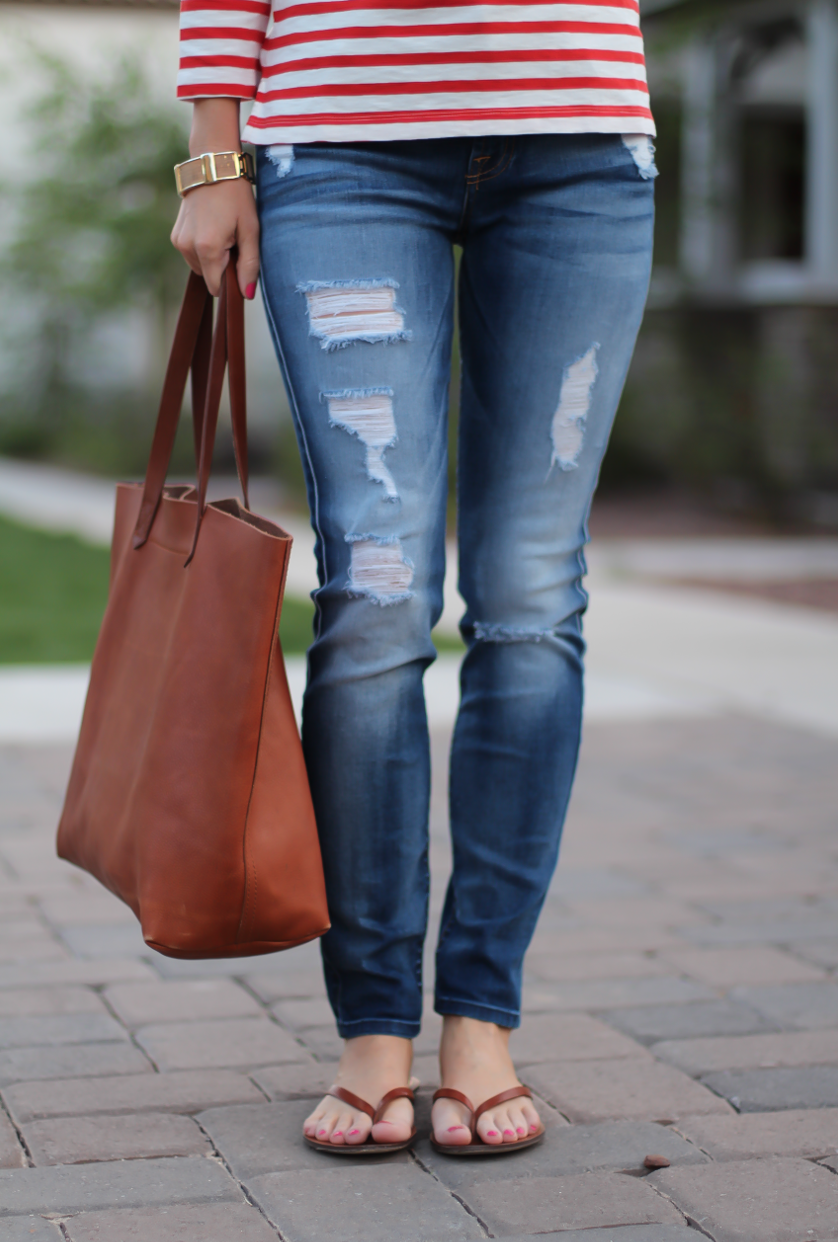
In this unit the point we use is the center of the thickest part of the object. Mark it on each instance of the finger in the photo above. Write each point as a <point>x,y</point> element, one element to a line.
<point>213,264</point>
<point>182,246</point>
<point>247,269</point>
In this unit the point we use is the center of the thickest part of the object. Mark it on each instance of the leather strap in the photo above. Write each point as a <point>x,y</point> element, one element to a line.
<point>355,1101</point>
<point>398,1093</point>
<point>449,1093</point>
<point>512,1093</point>
<point>191,350</point>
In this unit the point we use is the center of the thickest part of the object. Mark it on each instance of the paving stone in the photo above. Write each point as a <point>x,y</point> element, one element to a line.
<point>643,911</point>
<point>744,1200</point>
<point>297,1015</point>
<point>107,940</point>
<point>226,1042</point>
<point>187,1091</point>
<point>180,1000</point>
<point>377,1203</point>
<point>811,1134</point>
<point>267,1138</point>
<point>298,1082</point>
<point>789,1049</point>
<point>34,1002</point>
<point>211,968</point>
<point>649,1023</point>
<point>117,1183</point>
<point>85,909</point>
<point>303,983</point>
<point>322,1043</point>
<point>589,1091</point>
<point>582,940</point>
<point>804,1006</point>
<point>208,1222</point>
<point>71,1061</point>
<point>76,1140</point>
<point>821,952</point>
<point>611,1145</point>
<point>584,1201</point>
<point>42,974</point>
<point>558,969</point>
<point>623,1233</point>
<point>569,1037</point>
<point>64,1029</point>
<point>11,1152</point>
<point>613,993</point>
<point>756,964</point>
<point>30,1229</point>
<point>764,1090</point>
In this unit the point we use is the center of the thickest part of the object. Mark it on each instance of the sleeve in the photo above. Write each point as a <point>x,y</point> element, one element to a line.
<point>220,44</point>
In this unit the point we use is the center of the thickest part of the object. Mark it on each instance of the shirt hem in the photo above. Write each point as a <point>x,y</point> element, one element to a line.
<point>266,134</point>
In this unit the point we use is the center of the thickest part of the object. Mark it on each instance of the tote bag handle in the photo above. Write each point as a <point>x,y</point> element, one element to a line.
<point>206,354</point>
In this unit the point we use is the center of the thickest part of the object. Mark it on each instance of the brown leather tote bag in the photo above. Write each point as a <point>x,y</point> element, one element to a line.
<point>188,796</point>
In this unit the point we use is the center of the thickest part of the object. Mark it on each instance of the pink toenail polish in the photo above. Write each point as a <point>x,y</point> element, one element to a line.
<point>491,1134</point>
<point>338,1134</point>
<point>354,1132</point>
<point>509,1132</point>
<point>533,1127</point>
<point>521,1130</point>
<point>322,1131</point>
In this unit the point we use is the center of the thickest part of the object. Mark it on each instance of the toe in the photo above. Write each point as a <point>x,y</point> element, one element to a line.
<point>490,1127</point>
<point>357,1129</point>
<point>531,1118</point>
<point>449,1125</point>
<point>342,1126</point>
<point>310,1123</point>
<point>517,1121</point>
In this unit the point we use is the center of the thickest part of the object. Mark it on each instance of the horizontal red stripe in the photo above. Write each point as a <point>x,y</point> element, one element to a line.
<point>230,90</point>
<point>445,58</point>
<point>477,29</point>
<point>328,90</point>
<point>443,114</point>
<point>222,32</point>
<point>347,6</point>
<point>228,6</point>
<point>229,62</point>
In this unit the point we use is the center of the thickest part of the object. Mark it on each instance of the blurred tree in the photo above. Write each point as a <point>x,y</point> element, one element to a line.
<point>90,231</point>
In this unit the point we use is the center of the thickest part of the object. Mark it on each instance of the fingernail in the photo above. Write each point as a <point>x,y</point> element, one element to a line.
<point>250,291</point>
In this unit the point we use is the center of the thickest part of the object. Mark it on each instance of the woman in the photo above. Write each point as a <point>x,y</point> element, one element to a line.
<point>520,131</point>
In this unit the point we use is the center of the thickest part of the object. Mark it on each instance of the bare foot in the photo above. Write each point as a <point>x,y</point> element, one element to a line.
<point>371,1066</point>
<point>474,1058</point>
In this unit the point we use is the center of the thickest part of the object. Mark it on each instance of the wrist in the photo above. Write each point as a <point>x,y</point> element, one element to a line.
<point>215,126</point>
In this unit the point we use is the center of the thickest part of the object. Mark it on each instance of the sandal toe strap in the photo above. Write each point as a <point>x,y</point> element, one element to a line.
<point>398,1093</point>
<point>513,1093</point>
<point>353,1100</point>
<point>450,1093</point>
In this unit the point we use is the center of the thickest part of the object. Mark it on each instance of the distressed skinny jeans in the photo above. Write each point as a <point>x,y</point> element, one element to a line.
<point>358,279</point>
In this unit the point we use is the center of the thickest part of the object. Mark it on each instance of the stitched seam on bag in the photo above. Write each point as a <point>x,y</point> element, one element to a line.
<point>250,889</point>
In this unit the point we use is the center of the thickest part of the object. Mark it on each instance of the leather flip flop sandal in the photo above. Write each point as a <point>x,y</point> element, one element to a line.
<point>477,1147</point>
<point>369,1147</point>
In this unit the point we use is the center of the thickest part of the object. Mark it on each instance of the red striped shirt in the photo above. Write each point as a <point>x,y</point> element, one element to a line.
<point>521,66</point>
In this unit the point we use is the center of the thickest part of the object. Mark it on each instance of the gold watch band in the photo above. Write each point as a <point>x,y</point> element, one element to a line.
<point>213,166</point>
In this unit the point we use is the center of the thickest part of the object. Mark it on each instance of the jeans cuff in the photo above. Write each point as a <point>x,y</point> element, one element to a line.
<point>447,1005</point>
<point>378,1026</point>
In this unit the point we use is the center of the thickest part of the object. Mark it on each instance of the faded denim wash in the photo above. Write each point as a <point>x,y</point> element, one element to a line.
<point>358,278</point>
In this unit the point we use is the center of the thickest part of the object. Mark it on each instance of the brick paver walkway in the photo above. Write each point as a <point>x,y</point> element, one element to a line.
<point>680,1002</point>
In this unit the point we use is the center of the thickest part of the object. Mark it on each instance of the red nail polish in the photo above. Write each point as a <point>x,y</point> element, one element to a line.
<point>250,291</point>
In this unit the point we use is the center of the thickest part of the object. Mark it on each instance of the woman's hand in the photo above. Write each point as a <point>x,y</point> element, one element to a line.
<point>214,218</point>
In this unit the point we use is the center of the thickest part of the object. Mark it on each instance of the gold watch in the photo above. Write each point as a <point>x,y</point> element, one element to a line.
<point>213,166</point>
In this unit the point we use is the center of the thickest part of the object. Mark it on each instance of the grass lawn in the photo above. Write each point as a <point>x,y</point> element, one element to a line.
<point>53,590</point>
